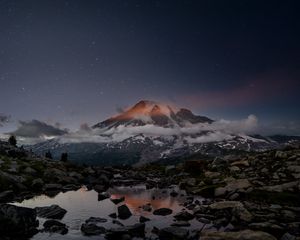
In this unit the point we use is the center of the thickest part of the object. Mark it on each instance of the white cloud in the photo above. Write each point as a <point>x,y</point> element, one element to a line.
<point>217,131</point>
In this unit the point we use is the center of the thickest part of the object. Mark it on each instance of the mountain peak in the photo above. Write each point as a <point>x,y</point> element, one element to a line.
<point>151,112</point>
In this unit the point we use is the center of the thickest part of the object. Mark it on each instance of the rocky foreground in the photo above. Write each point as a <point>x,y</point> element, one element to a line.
<point>246,196</point>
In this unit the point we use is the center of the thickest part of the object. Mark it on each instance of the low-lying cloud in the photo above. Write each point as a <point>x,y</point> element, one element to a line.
<point>193,133</point>
<point>37,129</point>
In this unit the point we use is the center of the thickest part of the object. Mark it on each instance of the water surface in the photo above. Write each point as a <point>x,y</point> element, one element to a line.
<point>83,204</point>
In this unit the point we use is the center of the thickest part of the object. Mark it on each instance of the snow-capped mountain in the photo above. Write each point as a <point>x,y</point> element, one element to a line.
<point>150,112</point>
<point>151,131</point>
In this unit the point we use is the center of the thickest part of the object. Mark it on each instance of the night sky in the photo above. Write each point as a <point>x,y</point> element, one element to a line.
<point>81,61</point>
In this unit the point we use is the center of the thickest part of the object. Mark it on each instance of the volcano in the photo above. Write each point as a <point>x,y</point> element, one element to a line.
<point>150,112</point>
<point>151,131</point>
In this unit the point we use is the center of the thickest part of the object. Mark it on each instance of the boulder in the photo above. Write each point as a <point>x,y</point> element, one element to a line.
<point>17,221</point>
<point>6,196</point>
<point>163,211</point>
<point>103,196</point>
<point>53,211</point>
<point>117,200</point>
<point>238,209</point>
<point>233,186</point>
<point>124,212</point>
<point>290,186</point>
<point>55,226</point>
<point>37,184</point>
<point>184,216</point>
<point>91,228</point>
<point>144,219</point>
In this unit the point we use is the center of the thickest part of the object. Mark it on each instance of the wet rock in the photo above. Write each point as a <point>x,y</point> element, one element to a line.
<point>173,194</point>
<point>100,188</point>
<point>96,220</point>
<point>124,212</point>
<point>103,196</point>
<point>136,230</point>
<point>17,221</point>
<point>163,211</point>
<point>6,196</point>
<point>241,235</point>
<point>53,211</point>
<point>117,200</point>
<point>144,219</point>
<point>173,233</point>
<point>113,215</point>
<point>147,207</point>
<point>55,226</point>
<point>184,216</point>
<point>91,228</point>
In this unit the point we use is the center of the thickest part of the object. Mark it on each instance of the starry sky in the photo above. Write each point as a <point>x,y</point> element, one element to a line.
<point>81,61</point>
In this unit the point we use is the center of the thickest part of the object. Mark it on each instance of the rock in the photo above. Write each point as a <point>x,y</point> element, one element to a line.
<point>92,228</point>
<point>103,196</point>
<point>55,226</point>
<point>207,191</point>
<point>234,169</point>
<point>280,154</point>
<point>233,186</point>
<point>100,188</point>
<point>173,194</point>
<point>241,163</point>
<point>54,174</point>
<point>117,200</point>
<point>6,196</point>
<point>113,215</point>
<point>241,235</point>
<point>136,230</point>
<point>163,211</point>
<point>173,233</point>
<point>52,186</point>
<point>272,228</point>
<point>181,224</point>
<point>30,171</point>
<point>147,207</point>
<point>209,174</point>
<point>290,186</point>
<point>17,221</point>
<point>288,236</point>
<point>184,216</point>
<point>96,220</point>
<point>144,219</point>
<point>53,211</point>
<point>124,212</point>
<point>37,184</point>
<point>238,209</point>
<point>195,165</point>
